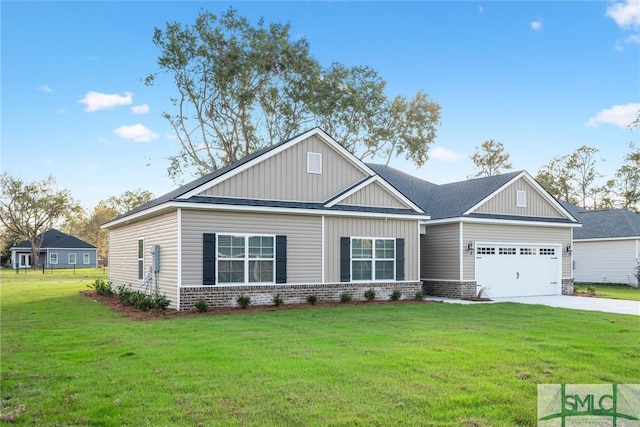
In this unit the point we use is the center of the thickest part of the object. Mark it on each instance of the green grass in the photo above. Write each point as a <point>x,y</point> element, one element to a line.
<point>71,361</point>
<point>612,291</point>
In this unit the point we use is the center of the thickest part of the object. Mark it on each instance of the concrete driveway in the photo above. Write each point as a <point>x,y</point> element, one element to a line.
<point>566,301</point>
<point>607,305</point>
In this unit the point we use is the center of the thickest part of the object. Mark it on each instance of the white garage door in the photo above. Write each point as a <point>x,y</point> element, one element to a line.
<point>517,270</point>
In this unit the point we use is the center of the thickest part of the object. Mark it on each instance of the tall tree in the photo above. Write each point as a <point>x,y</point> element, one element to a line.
<point>242,87</point>
<point>627,180</point>
<point>128,200</point>
<point>556,178</point>
<point>28,209</point>
<point>582,163</point>
<point>491,158</point>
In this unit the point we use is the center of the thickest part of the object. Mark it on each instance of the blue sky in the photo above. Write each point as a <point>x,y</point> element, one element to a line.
<point>541,77</point>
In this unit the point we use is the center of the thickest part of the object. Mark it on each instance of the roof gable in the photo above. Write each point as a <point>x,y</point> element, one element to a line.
<point>57,239</point>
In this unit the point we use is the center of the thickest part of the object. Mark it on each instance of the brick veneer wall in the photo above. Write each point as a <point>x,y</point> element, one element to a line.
<point>567,286</point>
<point>225,296</point>
<point>449,289</point>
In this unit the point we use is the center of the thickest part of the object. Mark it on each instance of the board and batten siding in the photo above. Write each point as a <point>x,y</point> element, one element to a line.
<point>284,176</point>
<point>515,234</point>
<point>607,261</point>
<point>161,230</point>
<point>336,227</point>
<point>304,240</point>
<point>440,253</point>
<point>505,202</point>
<point>373,195</point>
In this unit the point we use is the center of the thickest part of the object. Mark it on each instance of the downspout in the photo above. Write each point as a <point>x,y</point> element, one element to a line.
<point>322,249</point>
<point>179,278</point>
<point>461,251</point>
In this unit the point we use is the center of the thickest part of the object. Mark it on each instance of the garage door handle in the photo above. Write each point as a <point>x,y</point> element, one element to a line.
<point>517,275</point>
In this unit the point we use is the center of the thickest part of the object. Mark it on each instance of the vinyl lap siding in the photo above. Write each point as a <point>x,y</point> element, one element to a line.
<point>304,240</point>
<point>515,234</point>
<point>440,256</point>
<point>336,227</point>
<point>611,261</point>
<point>284,176</point>
<point>373,195</point>
<point>123,253</point>
<point>505,202</point>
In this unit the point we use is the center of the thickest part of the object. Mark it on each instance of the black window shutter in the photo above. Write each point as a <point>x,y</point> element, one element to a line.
<point>208,258</point>
<point>399,259</point>
<point>345,259</point>
<point>281,259</point>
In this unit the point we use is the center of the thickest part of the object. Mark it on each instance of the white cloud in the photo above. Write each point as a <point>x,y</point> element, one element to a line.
<point>45,88</point>
<point>618,115</point>
<point>536,25</point>
<point>444,154</point>
<point>480,9</point>
<point>136,133</point>
<point>140,109</point>
<point>626,15</point>
<point>633,39</point>
<point>102,101</point>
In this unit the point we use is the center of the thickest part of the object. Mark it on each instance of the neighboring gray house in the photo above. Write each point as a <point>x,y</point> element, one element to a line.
<point>607,247</point>
<point>307,217</point>
<point>58,250</point>
<point>504,234</point>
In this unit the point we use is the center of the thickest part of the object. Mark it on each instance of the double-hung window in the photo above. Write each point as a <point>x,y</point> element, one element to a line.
<point>140,259</point>
<point>86,258</point>
<point>373,259</point>
<point>72,259</point>
<point>245,258</point>
<point>53,258</point>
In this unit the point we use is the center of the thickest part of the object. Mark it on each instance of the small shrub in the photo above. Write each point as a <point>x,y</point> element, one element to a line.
<point>125,295</point>
<point>591,289</point>
<point>277,300</point>
<point>370,294</point>
<point>153,302</point>
<point>395,295</point>
<point>159,302</point>
<point>243,301</point>
<point>575,288</point>
<point>419,295</point>
<point>312,299</point>
<point>345,297</point>
<point>638,272</point>
<point>102,287</point>
<point>202,306</point>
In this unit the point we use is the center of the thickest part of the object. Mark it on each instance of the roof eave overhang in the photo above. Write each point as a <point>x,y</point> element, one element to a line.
<point>173,205</point>
<point>496,221</point>
<point>606,239</point>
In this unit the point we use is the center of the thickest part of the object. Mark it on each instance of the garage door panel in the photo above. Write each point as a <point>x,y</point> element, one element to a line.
<point>509,270</point>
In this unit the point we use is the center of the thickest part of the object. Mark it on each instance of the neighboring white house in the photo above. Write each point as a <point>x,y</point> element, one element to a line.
<point>607,247</point>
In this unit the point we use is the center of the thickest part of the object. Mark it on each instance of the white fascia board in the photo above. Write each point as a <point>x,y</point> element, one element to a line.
<point>68,249</point>
<point>473,220</point>
<point>607,239</point>
<point>533,183</point>
<point>385,184</point>
<point>313,132</point>
<point>267,209</point>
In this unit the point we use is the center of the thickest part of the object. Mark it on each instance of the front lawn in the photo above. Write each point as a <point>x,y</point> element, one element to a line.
<point>71,361</point>
<point>611,291</point>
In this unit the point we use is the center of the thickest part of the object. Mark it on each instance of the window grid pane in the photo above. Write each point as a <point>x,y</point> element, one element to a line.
<point>361,249</point>
<point>231,271</point>
<point>361,270</point>
<point>260,247</point>
<point>384,270</point>
<point>260,271</point>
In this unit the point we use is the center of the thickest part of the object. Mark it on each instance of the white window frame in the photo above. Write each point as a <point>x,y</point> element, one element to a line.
<point>140,259</point>
<point>86,258</point>
<point>75,258</point>
<point>521,198</point>
<point>246,259</point>
<point>373,259</point>
<point>53,258</point>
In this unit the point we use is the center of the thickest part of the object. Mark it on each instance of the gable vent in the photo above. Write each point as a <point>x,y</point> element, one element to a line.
<point>314,163</point>
<point>521,199</point>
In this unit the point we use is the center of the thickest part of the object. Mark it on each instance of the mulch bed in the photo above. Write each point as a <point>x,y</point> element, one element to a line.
<point>131,312</point>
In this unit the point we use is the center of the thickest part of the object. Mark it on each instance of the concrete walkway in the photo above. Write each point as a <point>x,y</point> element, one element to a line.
<point>564,301</point>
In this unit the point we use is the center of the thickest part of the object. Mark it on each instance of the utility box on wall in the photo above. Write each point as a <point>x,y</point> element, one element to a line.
<point>155,252</point>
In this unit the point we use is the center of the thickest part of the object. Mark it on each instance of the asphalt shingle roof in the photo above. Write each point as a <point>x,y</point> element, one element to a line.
<point>607,223</point>
<point>57,239</point>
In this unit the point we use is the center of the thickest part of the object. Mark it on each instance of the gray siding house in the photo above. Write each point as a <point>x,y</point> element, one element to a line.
<point>307,217</point>
<point>607,247</point>
<point>58,250</point>
<point>301,217</point>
